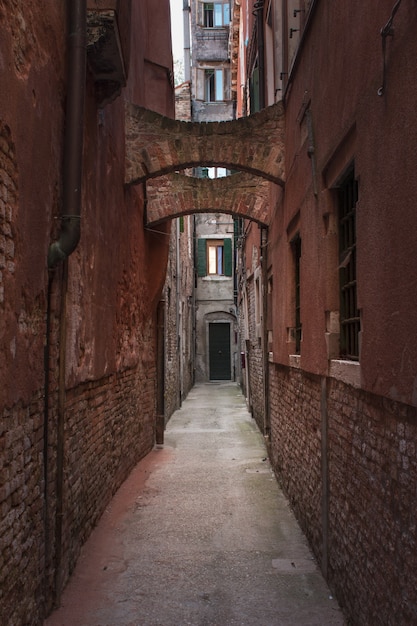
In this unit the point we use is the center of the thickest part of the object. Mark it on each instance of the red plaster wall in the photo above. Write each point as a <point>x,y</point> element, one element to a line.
<point>30,132</point>
<point>115,279</point>
<point>338,71</point>
<point>370,448</point>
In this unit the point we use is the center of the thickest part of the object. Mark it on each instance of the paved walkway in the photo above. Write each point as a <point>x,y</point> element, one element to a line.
<point>199,534</point>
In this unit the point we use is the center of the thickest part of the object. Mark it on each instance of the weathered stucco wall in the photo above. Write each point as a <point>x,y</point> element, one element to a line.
<point>104,331</point>
<point>338,84</point>
<point>343,437</point>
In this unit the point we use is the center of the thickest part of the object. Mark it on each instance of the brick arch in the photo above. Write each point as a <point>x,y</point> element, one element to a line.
<point>240,194</point>
<point>157,145</point>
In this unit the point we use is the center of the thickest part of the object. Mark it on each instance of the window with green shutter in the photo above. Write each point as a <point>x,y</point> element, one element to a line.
<point>228,265</point>
<point>201,257</point>
<point>214,257</point>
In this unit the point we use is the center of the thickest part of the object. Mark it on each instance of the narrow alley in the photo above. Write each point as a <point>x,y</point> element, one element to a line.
<point>199,534</point>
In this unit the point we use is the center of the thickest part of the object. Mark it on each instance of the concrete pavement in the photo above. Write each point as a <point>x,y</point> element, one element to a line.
<point>200,534</point>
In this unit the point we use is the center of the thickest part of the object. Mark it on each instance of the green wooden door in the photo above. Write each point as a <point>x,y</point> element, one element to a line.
<point>219,351</point>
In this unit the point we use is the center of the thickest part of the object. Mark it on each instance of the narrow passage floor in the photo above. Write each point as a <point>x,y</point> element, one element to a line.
<point>200,534</point>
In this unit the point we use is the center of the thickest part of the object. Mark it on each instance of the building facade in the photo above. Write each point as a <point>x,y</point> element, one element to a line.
<point>324,278</point>
<point>78,324</point>
<point>211,100</point>
<point>338,287</point>
<point>178,303</point>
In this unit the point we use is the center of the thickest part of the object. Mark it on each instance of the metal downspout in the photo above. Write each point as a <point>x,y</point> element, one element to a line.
<point>67,242</point>
<point>73,142</point>
<point>187,46</point>
<point>264,267</point>
<point>179,320</point>
<point>259,8</point>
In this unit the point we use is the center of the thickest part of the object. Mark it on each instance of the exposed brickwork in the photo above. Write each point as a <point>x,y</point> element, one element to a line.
<point>372,509</point>
<point>22,514</point>
<point>157,145</point>
<point>296,444</point>
<point>255,362</point>
<point>171,378</point>
<point>104,332</point>
<point>242,194</point>
<point>373,506</point>
<point>109,427</point>
<point>183,102</point>
<point>8,200</point>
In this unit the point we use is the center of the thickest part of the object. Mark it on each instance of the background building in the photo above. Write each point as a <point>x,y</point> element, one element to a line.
<point>211,100</point>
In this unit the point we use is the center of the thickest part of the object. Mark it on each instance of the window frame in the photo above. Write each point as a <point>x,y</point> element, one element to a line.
<point>202,257</point>
<point>211,84</point>
<point>218,244</point>
<point>298,331</point>
<point>350,326</point>
<point>210,12</point>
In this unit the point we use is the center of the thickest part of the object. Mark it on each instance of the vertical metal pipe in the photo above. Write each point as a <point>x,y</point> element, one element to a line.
<point>324,479</point>
<point>264,268</point>
<point>46,512</point>
<point>187,47</point>
<point>60,446</point>
<point>261,51</point>
<point>73,142</point>
<point>160,374</point>
<point>69,236</point>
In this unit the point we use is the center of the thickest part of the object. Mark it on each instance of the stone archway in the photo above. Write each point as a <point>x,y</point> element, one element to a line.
<point>157,147</point>
<point>240,194</point>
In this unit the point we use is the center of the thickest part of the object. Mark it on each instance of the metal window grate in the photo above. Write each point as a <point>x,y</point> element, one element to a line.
<point>349,313</point>
<point>297,258</point>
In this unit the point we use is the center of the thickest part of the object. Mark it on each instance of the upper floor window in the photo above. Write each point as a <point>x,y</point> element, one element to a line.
<point>296,247</point>
<point>214,85</point>
<point>214,257</point>
<point>215,14</point>
<point>349,313</point>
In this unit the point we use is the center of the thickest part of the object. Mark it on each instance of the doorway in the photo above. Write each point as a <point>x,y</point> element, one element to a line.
<point>219,351</point>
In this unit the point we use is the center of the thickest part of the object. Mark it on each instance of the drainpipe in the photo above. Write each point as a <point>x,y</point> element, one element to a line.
<point>179,320</point>
<point>68,240</point>
<point>187,47</point>
<point>264,267</point>
<point>73,143</point>
<point>259,8</point>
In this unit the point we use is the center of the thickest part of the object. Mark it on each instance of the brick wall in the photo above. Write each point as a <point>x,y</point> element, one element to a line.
<point>255,361</point>
<point>178,292</point>
<point>183,102</point>
<point>296,445</point>
<point>109,428</point>
<point>21,504</point>
<point>171,382</point>
<point>371,508</point>
<point>8,198</point>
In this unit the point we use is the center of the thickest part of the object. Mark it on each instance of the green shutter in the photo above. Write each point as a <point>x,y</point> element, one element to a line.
<point>201,257</point>
<point>228,257</point>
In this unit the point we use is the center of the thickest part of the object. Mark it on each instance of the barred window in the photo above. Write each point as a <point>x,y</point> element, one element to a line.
<point>349,313</point>
<point>296,246</point>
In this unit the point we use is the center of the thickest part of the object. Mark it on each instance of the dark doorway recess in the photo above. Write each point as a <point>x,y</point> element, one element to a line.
<point>219,351</point>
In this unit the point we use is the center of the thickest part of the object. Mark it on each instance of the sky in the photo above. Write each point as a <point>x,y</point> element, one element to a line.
<point>177,29</point>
